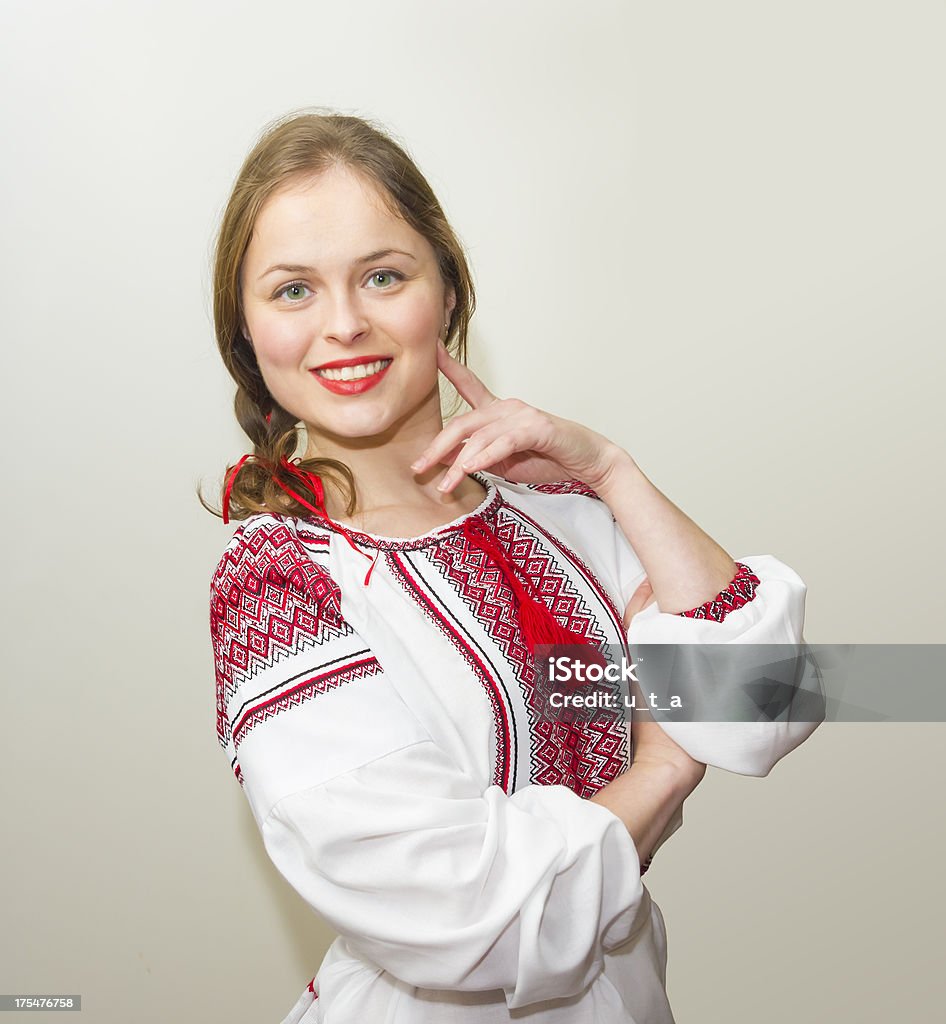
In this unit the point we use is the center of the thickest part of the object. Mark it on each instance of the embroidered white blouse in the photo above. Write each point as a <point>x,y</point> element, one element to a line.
<point>388,741</point>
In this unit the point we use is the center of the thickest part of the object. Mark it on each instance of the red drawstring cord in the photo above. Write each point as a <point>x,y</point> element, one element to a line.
<point>538,624</point>
<point>315,483</point>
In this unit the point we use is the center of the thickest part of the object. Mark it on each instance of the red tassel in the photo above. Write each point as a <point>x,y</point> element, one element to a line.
<point>539,625</point>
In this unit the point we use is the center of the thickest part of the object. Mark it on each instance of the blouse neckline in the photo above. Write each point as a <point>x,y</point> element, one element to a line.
<point>487,507</point>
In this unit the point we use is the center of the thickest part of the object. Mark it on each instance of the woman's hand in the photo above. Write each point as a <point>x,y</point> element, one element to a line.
<point>652,746</point>
<point>513,439</point>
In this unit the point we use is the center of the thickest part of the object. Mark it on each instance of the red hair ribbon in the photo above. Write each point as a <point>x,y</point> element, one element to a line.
<point>229,487</point>
<point>315,484</point>
<point>539,626</point>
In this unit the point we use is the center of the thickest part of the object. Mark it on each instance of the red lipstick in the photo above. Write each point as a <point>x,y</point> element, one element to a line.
<point>356,385</point>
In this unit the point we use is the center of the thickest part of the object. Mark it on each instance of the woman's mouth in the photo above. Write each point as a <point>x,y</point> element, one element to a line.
<point>352,380</point>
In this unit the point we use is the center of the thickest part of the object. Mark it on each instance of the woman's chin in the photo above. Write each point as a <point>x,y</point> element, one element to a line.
<point>352,433</point>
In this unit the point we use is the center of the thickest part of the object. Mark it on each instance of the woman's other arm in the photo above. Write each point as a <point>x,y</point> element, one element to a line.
<point>715,600</point>
<point>648,797</point>
<point>685,567</point>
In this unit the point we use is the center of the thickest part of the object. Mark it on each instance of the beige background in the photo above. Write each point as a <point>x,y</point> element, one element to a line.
<point>714,232</point>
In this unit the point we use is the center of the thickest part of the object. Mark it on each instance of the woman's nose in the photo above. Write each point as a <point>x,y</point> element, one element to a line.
<point>345,321</point>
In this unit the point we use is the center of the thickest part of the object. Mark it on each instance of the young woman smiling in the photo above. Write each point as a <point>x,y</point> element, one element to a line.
<point>375,616</point>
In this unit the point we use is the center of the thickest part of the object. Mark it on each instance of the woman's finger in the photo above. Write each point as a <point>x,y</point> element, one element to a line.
<point>456,432</point>
<point>640,599</point>
<point>495,441</point>
<point>502,447</point>
<point>470,388</point>
<point>451,456</point>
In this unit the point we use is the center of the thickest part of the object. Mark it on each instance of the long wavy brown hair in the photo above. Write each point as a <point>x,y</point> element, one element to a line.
<point>300,145</point>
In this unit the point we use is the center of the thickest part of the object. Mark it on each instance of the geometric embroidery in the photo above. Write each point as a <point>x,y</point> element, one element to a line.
<point>267,602</point>
<point>321,680</point>
<point>580,755</point>
<point>740,591</point>
<point>566,487</point>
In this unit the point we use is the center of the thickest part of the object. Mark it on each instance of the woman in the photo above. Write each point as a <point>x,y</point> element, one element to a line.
<point>376,616</point>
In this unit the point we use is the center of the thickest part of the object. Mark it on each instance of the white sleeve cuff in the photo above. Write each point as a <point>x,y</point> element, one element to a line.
<point>776,615</point>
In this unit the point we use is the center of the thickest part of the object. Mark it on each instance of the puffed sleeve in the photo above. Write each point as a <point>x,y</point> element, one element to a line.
<point>434,879</point>
<point>763,669</point>
<point>776,681</point>
<point>447,887</point>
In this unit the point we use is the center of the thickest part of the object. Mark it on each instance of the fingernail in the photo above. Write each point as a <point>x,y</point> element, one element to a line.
<point>417,465</point>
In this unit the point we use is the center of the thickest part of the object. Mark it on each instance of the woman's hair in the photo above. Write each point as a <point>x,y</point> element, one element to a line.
<point>294,147</point>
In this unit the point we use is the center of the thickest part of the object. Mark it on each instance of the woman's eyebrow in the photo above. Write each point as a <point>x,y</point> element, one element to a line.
<point>298,268</point>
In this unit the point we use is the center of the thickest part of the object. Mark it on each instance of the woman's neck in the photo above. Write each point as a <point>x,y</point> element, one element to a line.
<point>386,486</point>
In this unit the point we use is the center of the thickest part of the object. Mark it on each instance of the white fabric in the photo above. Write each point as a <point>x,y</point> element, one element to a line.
<point>453,899</point>
<point>776,615</point>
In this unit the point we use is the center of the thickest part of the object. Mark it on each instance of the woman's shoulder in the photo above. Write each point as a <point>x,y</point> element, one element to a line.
<point>572,498</point>
<point>270,548</point>
<point>563,512</point>
<point>572,526</point>
<point>565,487</point>
<point>569,486</point>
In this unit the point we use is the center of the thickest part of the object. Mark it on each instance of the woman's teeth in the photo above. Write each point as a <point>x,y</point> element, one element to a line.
<point>354,372</point>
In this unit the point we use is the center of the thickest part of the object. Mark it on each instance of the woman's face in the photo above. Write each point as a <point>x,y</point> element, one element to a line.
<point>321,290</point>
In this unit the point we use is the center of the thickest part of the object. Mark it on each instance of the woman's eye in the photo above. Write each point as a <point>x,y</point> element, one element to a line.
<point>391,275</point>
<point>293,291</point>
<point>296,291</point>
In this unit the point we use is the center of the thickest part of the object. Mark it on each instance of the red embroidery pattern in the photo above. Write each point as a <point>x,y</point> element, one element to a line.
<point>741,590</point>
<point>268,601</point>
<point>583,756</point>
<point>326,678</point>
<point>566,487</point>
<point>590,578</point>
